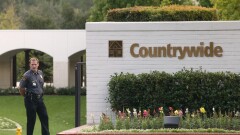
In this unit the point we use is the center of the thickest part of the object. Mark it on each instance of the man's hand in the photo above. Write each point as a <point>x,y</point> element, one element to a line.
<point>22,91</point>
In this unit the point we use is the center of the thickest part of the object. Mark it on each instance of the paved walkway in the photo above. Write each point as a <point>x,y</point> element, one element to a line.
<point>16,124</point>
<point>76,130</point>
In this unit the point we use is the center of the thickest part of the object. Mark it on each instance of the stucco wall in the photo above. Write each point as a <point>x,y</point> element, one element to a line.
<point>60,44</point>
<point>153,34</point>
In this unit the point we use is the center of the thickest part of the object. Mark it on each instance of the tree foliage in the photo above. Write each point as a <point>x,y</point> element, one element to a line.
<point>9,19</point>
<point>45,64</point>
<point>41,15</point>
<point>73,14</point>
<point>205,3</point>
<point>44,14</point>
<point>227,9</point>
<point>100,7</point>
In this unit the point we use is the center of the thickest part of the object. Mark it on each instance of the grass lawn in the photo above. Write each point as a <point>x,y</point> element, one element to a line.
<point>61,112</point>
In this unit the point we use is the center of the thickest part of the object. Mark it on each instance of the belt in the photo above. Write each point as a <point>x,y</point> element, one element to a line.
<point>34,95</point>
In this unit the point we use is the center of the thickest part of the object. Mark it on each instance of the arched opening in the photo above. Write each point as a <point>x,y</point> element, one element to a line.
<point>14,63</point>
<point>73,59</point>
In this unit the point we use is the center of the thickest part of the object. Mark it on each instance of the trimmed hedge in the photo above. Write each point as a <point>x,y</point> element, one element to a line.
<point>9,91</point>
<point>184,89</point>
<point>48,90</point>
<point>166,13</point>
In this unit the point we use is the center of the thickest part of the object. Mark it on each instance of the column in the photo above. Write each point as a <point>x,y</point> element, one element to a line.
<point>60,73</point>
<point>5,73</point>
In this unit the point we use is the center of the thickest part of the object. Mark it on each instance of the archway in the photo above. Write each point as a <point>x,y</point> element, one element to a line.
<point>15,62</point>
<point>73,59</point>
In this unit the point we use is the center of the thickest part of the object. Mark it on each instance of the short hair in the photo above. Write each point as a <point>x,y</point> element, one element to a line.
<point>33,59</point>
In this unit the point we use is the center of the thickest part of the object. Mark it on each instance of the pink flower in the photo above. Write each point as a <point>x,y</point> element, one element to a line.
<point>180,113</point>
<point>170,108</point>
<point>145,113</point>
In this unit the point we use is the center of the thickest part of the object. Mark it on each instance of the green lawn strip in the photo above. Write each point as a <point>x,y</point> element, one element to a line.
<point>8,132</point>
<point>165,130</point>
<point>61,111</point>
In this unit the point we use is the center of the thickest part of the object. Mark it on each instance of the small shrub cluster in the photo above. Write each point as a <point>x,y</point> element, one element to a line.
<point>9,91</point>
<point>166,13</point>
<point>48,90</point>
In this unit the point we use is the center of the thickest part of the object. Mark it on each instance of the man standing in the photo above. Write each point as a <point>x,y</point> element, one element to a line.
<point>31,87</point>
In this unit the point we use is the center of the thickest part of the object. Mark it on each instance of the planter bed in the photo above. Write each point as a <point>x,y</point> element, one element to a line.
<point>78,131</point>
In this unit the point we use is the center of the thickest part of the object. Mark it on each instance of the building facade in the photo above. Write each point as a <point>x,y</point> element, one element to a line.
<point>134,47</point>
<point>142,47</point>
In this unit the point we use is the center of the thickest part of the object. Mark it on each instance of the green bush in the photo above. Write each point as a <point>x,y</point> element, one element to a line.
<point>48,90</point>
<point>183,89</point>
<point>70,91</point>
<point>9,91</point>
<point>166,13</point>
<point>65,91</point>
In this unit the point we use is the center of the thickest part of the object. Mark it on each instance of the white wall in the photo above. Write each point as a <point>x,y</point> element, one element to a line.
<point>149,34</point>
<point>60,44</point>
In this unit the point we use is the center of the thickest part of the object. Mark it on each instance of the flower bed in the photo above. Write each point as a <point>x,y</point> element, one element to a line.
<point>137,123</point>
<point>191,120</point>
<point>6,124</point>
<point>87,130</point>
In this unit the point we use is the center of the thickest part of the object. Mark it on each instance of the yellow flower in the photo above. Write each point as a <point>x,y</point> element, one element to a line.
<point>202,110</point>
<point>176,112</point>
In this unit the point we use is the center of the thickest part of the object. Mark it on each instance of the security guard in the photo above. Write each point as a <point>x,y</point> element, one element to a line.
<point>31,87</point>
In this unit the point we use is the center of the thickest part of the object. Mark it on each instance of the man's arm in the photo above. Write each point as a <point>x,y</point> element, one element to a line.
<point>22,91</point>
<point>22,85</point>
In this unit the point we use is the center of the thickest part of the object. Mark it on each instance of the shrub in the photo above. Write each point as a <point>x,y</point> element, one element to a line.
<point>70,91</point>
<point>49,90</point>
<point>9,91</point>
<point>166,13</point>
<point>65,91</point>
<point>181,90</point>
<point>105,123</point>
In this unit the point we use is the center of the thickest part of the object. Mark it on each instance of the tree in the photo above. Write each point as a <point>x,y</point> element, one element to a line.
<point>100,7</point>
<point>166,3</point>
<point>9,19</point>
<point>45,64</point>
<point>4,4</point>
<point>20,64</point>
<point>183,2</point>
<point>227,9</point>
<point>205,3</point>
<point>40,15</point>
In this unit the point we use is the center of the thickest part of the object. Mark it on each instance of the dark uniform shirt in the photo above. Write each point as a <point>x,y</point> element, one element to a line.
<point>33,82</point>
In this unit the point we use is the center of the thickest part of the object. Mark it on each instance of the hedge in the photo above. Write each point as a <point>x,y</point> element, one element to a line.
<point>190,89</point>
<point>166,13</point>
<point>48,90</point>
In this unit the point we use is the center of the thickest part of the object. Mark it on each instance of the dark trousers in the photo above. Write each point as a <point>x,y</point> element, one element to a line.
<point>35,106</point>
